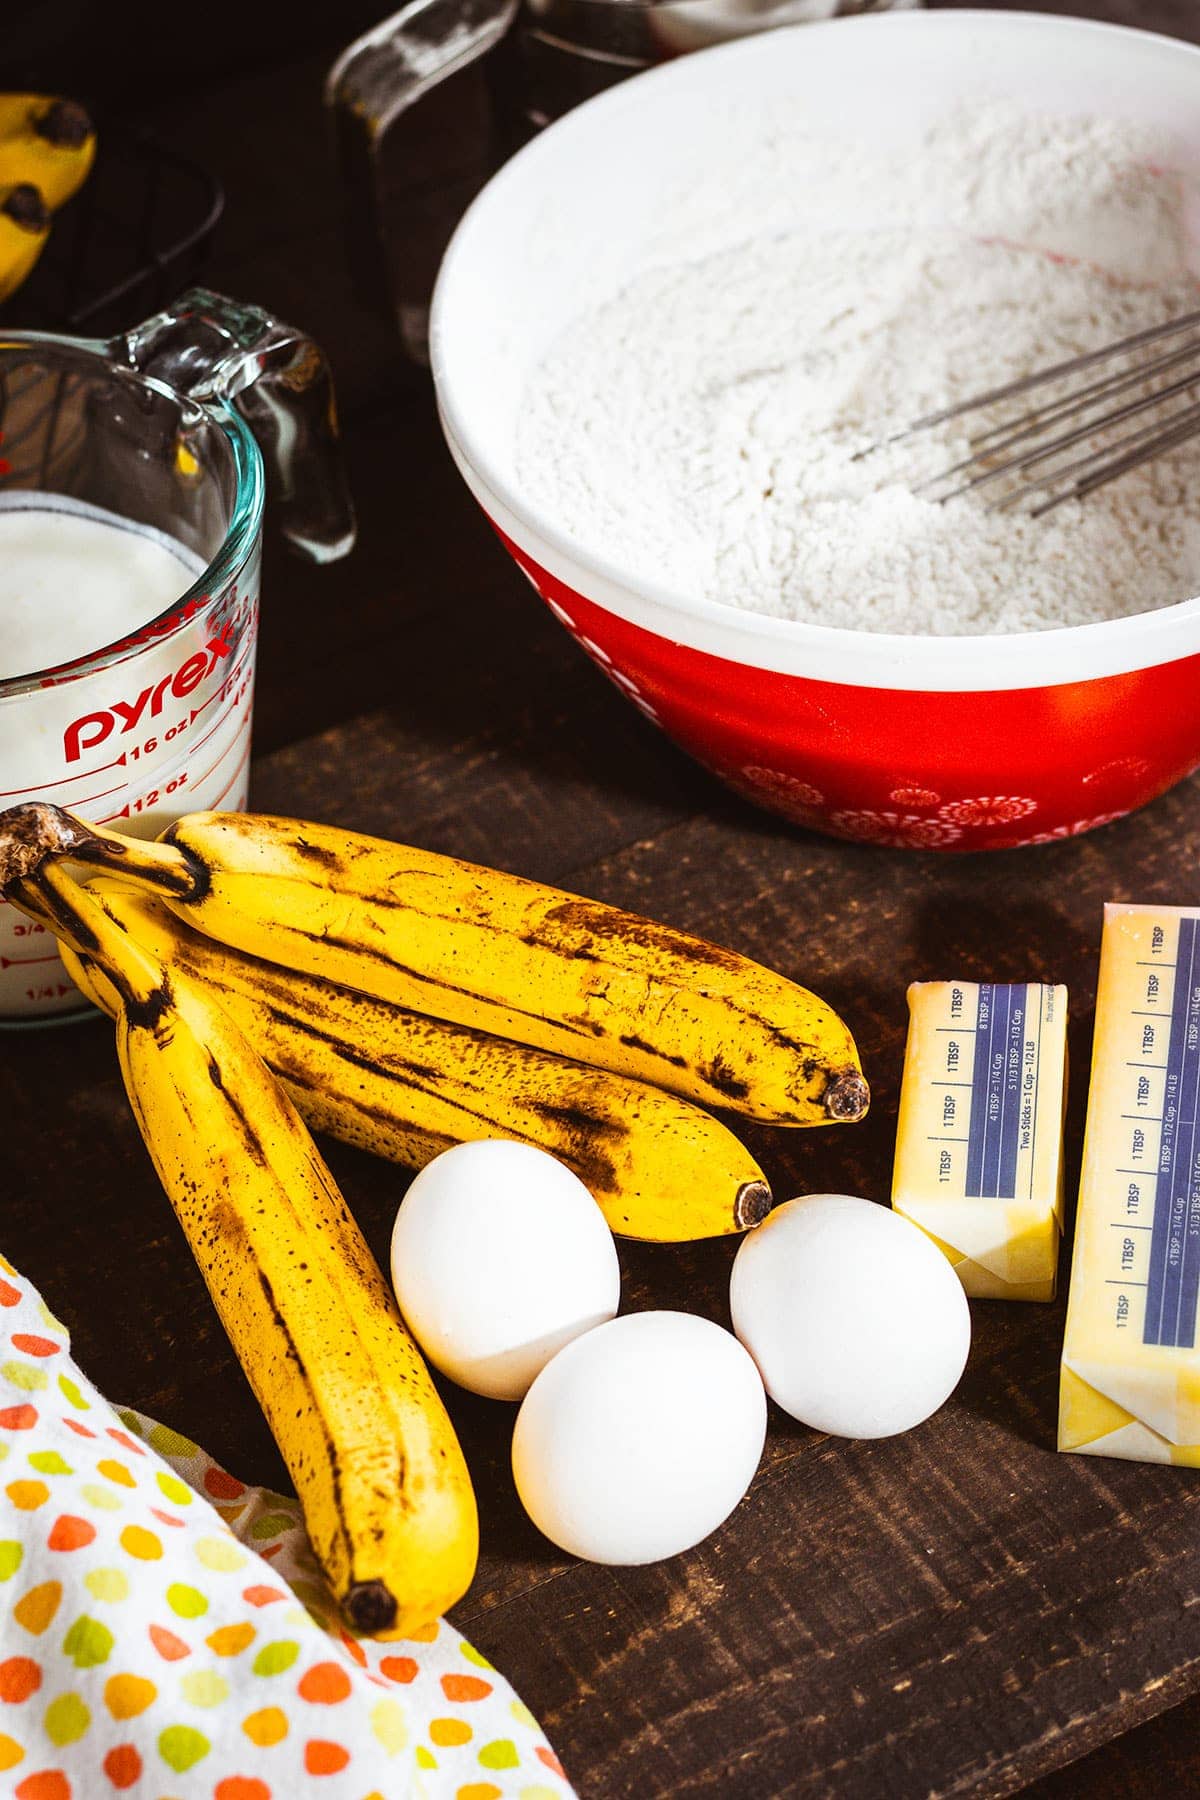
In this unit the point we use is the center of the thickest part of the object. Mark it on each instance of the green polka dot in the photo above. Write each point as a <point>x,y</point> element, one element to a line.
<point>274,1658</point>
<point>501,1753</point>
<point>107,1584</point>
<point>182,1746</point>
<point>425,1758</point>
<point>475,1656</point>
<point>298,1615</point>
<point>102,1497</point>
<point>219,1553</point>
<point>3,1451</point>
<point>174,1489</point>
<point>271,1525</point>
<point>204,1687</point>
<point>71,1394</point>
<point>11,1554</point>
<point>66,1719</point>
<point>522,1715</point>
<point>49,1462</point>
<point>26,1376</point>
<point>171,1443</point>
<point>187,1602</point>
<point>131,1420</point>
<point>88,1643</point>
<point>49,1320</point>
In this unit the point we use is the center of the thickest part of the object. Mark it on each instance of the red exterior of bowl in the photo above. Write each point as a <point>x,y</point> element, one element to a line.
<point>989,770</point>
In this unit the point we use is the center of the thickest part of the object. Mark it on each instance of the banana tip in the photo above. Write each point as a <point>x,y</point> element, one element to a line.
<point>370,1607</point>
<point>847,1097</point>
<point>753,1203</point>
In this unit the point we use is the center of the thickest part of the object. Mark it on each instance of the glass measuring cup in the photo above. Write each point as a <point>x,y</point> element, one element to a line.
<point>163,430</point>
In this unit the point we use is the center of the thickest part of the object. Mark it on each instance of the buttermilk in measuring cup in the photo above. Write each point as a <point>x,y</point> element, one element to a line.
<point>73,580</point>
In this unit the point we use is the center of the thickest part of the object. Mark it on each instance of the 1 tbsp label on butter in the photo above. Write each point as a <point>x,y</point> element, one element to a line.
<point>1130,1384</point>
<point>979,1144</point>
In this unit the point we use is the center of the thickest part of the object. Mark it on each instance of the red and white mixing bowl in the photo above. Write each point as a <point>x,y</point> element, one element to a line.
<point>957,743</point>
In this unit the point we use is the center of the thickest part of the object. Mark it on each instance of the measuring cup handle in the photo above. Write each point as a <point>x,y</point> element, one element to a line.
<point>416,140</point>
<point>221,352</point>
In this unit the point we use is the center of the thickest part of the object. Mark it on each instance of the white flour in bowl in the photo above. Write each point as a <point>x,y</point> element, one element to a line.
<point>700,428</point>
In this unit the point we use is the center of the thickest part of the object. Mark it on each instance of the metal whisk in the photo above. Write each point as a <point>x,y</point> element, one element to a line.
<point>1022,458</point>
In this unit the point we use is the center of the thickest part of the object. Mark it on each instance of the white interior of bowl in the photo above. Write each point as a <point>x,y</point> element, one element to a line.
<point>619,186</point>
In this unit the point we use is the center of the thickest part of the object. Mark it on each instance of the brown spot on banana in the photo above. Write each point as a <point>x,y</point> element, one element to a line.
<point>847,1097</point>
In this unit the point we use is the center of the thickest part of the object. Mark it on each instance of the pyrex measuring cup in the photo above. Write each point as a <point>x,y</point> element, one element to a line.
<point>164,427</point>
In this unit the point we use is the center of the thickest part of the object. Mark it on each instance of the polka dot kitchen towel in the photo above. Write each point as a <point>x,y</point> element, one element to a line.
<point>165,1633</point>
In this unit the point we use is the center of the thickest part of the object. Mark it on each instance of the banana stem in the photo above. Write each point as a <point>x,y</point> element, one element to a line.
<point>77,918</point>
<point>34,834</point>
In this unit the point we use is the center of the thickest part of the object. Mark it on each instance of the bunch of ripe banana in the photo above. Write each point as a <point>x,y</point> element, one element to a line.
<point>47,146</point>
<point>405,1001</point>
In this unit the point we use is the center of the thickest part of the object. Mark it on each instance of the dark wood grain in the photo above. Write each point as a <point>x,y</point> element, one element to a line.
<point>956,1611</point>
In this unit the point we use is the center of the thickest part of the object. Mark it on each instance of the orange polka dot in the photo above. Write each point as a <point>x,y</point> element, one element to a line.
<point>27,1496</point>
<point>47,1784</point>
<point>36,1609</point>
<point>19,1677</point>
<point>551,1761</point>
<point>115,1471</point>
<point>423,1634</point>
<point>169,1647</point>
<point>241,1787</point>
<point>230,1640</point>
<point>324,1684</point>
<point>77,1428</point>
<point>166,1518</point>
<point>267,1727</point>
<point>465,1687</point>
<point>123,1437</point>
<point>139,1542</point>
<point>399,1668</point>
<point>354,1650</point>
<point>123,1766</point>
<point>324,1758</point>
<point>70,1533</point>
<point>128,1695</point>
<point>19,1418</point>
<point>33,1346</point>
<point>222,1486</point>
<point>262,1596</point>
<point>446,1732</point>
<point>9,1295</point>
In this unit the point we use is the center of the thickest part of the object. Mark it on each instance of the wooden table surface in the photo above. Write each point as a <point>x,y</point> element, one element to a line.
<point>959,1610</point>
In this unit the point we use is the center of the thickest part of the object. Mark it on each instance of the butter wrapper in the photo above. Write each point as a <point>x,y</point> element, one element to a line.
<point>979,1150</point>
<point>1130,1384</point>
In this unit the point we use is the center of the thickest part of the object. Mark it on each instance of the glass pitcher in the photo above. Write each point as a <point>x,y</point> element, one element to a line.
<point>428,104</point>
<point>162,431</point>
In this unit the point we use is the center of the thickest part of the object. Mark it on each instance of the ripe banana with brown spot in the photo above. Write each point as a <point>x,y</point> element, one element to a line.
<point>386,1494</point>
<point>46,140</point>
<point>407,1087</point>
<point>24,228</point>
<point>504,955</point>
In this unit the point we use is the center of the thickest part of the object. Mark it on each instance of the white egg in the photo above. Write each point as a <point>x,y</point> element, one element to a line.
<point>639,1439</point>
<point>857,1321</point>
<point>500,1256</point>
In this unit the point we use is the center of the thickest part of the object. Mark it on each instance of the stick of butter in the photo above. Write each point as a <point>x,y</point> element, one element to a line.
<point>979,1142</point>
<point>1131,1363</point>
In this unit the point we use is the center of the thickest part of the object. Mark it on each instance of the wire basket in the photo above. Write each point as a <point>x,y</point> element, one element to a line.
<point>137,233</point>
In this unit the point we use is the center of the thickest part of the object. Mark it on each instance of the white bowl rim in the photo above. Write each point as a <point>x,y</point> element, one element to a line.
<point>911,661</point>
